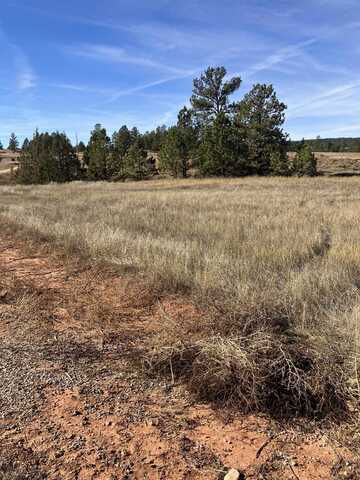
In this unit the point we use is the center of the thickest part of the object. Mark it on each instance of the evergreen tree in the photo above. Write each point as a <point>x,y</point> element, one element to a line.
<point>261,116</point>
<point>122,141</point>
<point>279,163</point>
<point>211,94</point>
<point>120,144</point>
<point>81,147</point>
<point>170,156</point>
<point>159,137</point>
<point>179,145</point>
<point>13,143</point>
<point>1,146</point>
<point>135,135</point>
<point>98,154</point>
<point>25,144</point>
<point>153,140</point>
<point>48,158</point>
<point>304,162</point>
<point>222,150</point>
<point>136,165</point>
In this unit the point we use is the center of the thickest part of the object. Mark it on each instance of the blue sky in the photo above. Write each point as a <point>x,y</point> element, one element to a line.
<point>68,65</point>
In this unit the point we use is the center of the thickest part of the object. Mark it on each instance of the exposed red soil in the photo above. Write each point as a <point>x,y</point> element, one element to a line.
<point>94,414</point>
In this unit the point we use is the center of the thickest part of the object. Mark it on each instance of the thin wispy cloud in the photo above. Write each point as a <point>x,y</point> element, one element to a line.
<point>331,97</point>
<point>83,88</point>
<point>279,57</point>
<point>125,62</point>
<point>112,94</point>
<point>107,53</point>
<point>25,77</point>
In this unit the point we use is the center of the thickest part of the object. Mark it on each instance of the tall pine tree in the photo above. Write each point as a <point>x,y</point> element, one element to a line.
<point>13,143</point>
<point>211,94</point>
<point>261,117</point>
<point>98,154</point>
<point>136,165</point>
<point>179,145</point>
<point>222,150</point>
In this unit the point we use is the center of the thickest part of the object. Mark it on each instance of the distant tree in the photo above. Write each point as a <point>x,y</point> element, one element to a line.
<point>304,163</point>
<point>25,144</point>
<point>170,156</point>
<point>158,138</point>
<point>13,143</point>
<point>153,140</point>
<point>135,135</point>
<point>1,146</point>
<point>211,94</point>
<point>261,117</point>
<point>179,145</point>
<point>136,165</point>
<point>222,150</point>
<point>122,141</point>
<point>81,147</point>
<point>98,154</point>
<point>48,158</point>
<point>120,144</point>
<point>189,130</point>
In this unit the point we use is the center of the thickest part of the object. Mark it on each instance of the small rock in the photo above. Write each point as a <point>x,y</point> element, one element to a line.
<point>3,293</point>
<point>232,475</point>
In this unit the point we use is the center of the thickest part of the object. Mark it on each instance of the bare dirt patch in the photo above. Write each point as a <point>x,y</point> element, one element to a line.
<point>74,403</point>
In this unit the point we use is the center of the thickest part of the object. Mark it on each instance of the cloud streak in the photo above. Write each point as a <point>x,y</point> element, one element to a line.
<point>114,94</point>
<point>279,57</point>
<point>111,54</point>
<point>334,97</point>
<point>25,77</point>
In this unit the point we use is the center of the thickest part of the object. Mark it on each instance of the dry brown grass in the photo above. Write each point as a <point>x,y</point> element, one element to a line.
<point>276,263</point>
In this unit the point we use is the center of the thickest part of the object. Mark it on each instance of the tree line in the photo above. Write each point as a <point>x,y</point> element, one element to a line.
<point>214,136</point>
<point>338,145</point>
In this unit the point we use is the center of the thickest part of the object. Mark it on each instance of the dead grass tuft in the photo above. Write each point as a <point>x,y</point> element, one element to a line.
<point>262,371</point>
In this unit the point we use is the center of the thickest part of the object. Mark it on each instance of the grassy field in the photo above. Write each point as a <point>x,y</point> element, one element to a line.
<point>273,263</point>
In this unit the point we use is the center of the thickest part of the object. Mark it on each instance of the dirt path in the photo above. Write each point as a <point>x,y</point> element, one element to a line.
<point>6,171</point>
<point>75,405</point>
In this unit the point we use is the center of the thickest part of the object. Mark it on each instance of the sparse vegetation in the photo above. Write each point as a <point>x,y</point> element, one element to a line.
<point>278,293</point>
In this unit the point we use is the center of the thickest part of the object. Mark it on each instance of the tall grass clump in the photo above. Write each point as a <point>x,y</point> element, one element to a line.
<point>273,263</point>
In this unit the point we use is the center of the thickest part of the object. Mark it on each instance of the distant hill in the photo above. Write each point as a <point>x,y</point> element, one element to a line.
<point>336,145</point>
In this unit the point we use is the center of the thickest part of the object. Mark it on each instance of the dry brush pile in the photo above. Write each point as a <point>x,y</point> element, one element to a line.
<point>274,265</point>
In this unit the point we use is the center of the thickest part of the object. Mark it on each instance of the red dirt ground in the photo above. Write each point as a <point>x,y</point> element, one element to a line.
<point>74,403</point>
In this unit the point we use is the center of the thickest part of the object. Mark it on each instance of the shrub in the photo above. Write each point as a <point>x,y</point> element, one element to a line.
<point>304,163</point>
<point>279,163</point>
